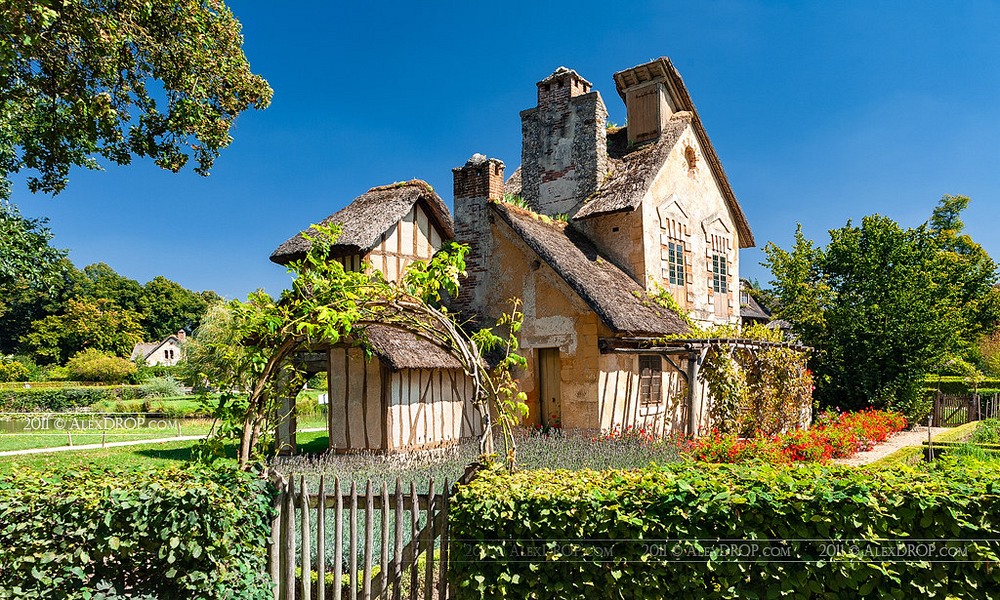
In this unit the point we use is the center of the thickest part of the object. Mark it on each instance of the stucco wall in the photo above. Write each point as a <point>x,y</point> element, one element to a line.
<point>692,197</point>
<point>160,356</point>
<point>554,317</point>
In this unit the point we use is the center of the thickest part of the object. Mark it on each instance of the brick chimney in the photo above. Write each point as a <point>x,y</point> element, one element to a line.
<point>478,182</point>
<point>564,152</point>
<point>648,103</point>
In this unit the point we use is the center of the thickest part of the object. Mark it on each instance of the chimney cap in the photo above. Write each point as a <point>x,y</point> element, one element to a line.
<point>564,73</point>
<point>479,159</point>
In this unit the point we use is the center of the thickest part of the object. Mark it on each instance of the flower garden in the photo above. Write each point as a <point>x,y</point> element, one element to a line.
<point>834,435</point>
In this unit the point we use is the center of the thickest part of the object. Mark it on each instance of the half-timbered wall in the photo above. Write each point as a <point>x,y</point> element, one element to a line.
<point>430,408</point>
<point>357,409</point>
<point>414,237</point>
<point>374,408</point>
<point>620,402</point>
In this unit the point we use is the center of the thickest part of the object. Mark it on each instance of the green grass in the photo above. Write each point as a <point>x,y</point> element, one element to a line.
<point>54,438</point>
<point>126,457</point>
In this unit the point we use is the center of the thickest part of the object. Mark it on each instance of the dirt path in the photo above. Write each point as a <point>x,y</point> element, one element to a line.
<point>183,438</point>
<point>900,440</point>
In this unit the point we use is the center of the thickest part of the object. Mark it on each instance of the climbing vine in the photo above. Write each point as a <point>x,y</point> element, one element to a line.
<point>756,392</point>
<point>326,305</point>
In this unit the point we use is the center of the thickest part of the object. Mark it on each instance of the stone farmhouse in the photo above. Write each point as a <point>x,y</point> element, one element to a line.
<point>166,352</point>
<point>606,218</point>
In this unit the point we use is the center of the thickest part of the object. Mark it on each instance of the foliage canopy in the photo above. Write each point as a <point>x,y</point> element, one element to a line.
<point>82,79</point>
<point>885,304</point>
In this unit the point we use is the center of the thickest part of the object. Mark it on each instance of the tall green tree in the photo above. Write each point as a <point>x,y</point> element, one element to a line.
<point>884,304</point>
<point>85,324</point>
<point>168,307</point>
<point>88,79</point>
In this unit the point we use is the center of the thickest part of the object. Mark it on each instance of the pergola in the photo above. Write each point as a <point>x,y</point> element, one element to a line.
<point>694,350</point>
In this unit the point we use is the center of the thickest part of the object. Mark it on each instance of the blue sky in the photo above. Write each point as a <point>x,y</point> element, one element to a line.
<point>821,112</point>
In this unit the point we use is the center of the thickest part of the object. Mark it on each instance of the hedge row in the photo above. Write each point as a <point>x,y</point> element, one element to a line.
<point>955,385</point>
<point>165,534</point>
<point>59,399</point>
<point>656,533</point>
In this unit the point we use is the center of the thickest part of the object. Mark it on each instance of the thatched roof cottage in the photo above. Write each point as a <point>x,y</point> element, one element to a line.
<point>607,218</point>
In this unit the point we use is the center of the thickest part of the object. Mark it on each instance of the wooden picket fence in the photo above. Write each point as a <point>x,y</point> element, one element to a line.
<point>396,544</point>
<point>952,410</point>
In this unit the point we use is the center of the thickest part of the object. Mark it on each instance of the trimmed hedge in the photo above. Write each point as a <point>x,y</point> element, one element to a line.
<point>630,534</point>
<point>164,534</point>
<point>59,399</point>
<point>953,385</point>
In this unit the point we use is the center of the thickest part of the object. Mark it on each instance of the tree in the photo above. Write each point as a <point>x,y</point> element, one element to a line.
<point>26,257</point>
<point>168,307</point>
<point>99,325</point>
<point>81,79</point>
<point>884,304</point>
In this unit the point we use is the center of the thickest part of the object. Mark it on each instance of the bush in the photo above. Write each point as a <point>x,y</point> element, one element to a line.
<point>163,534</point>
<point>59,399</point>
<point>655,533</point>
<point>92,365</point>
<point>161,387</point>
<point>13,370</point>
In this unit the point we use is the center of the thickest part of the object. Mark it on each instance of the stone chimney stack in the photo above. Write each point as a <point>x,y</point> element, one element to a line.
<point>648,103</point>
<point>564,150</point>
<point>478,182</point>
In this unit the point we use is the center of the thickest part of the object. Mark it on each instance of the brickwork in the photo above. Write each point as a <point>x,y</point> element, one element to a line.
<point>563,144</point>
<point>477,182</point>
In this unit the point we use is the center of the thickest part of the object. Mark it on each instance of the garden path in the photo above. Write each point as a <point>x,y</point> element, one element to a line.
<point>914,437</point>
<point>182,438</point>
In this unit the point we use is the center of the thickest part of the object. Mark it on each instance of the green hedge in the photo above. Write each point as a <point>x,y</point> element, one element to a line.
<point>165,534</point>
<point>956,385</point>
<point>545,534</point>
<point>59,399</point>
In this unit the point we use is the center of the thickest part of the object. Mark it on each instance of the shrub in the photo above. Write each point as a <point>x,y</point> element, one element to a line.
<point>59,399</point>
<point>987,432</point>
<point>655,533</point>
<point>161,387</point>
<point>92,365</point>
<point>13,370</point>
<point>162,534</point>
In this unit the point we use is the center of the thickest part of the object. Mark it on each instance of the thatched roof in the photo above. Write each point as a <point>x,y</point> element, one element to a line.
<point>606,289</point>
<point>372,214</point>
<point>513,184</point>
<point>401,349</point>
<point>662,68</point>
<point>632,174</point>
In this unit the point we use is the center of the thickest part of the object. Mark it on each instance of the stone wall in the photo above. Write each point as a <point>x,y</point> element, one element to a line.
<point>564,144</point>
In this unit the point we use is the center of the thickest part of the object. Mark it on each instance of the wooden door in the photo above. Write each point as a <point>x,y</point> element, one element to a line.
<point>548,386</point>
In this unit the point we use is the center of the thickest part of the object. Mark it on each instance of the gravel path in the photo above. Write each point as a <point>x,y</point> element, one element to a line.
<point>915,437</point>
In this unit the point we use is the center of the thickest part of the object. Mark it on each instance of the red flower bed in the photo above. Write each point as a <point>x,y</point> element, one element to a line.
<point>834,435</point>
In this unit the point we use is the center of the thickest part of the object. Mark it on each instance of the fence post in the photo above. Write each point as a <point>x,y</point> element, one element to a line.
<point>306,541</point>
<point>338,542</point>
<point>369,514</point>
<point>321,540</point>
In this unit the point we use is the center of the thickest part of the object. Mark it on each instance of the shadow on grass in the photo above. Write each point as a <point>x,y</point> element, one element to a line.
<point>185,454</point>
<point>312,445</point>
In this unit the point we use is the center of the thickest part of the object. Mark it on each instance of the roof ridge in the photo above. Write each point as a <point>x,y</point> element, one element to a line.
<point>400,184</point>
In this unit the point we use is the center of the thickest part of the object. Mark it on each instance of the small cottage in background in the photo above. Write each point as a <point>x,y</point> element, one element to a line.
<point>413,394</point>
<point>167,352</point>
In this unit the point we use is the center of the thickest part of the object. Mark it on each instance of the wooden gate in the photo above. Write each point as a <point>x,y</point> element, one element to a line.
<point>384,545</point>
<point>950,411</point>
